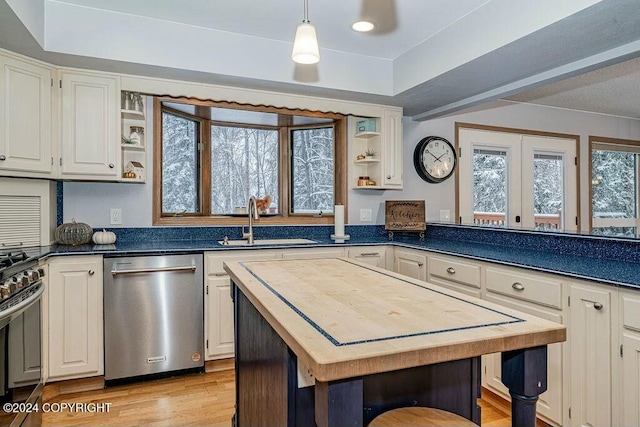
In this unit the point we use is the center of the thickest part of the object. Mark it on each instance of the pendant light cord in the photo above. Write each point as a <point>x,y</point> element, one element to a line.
<point>306,11</point>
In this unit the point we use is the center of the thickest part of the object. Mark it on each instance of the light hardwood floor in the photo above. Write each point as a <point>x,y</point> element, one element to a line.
<point>190,400</point>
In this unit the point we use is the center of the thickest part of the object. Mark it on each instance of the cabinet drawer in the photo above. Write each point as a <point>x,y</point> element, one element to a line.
<point>455,271</point>
<point>631,312</point>
<point>527,288</point>
<point>214,260</point>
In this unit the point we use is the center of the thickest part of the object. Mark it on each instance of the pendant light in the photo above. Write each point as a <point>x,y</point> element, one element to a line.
<point>305,45</point>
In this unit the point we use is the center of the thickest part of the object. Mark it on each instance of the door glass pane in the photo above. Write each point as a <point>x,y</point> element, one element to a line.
<point>489,187</point>
<point>312,170</point>
<point>244,163</point>
<point>548,184</point>
<point>179,164</point>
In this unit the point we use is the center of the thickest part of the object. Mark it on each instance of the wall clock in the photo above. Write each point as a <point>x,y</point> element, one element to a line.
<point>434,159</point>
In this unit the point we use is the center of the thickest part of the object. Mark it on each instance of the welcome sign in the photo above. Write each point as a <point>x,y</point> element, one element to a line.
<point>404,215</point>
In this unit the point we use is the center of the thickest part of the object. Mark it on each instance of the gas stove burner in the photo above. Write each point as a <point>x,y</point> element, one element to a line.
<point>7,259</point>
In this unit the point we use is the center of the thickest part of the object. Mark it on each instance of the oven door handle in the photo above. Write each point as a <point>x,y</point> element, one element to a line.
<point>22,305</point>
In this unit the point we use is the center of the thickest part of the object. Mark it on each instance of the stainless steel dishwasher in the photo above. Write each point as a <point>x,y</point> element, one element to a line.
<point>153,315</point>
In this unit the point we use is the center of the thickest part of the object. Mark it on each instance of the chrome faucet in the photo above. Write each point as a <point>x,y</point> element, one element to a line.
<point>253,214</point>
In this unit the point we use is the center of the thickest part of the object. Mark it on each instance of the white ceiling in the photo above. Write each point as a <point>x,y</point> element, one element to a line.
<point>431,57</point>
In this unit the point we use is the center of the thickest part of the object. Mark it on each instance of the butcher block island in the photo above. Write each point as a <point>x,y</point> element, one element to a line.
<point>333,342</point>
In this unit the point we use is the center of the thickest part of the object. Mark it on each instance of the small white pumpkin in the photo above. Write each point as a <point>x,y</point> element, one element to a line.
<point>104,237</point>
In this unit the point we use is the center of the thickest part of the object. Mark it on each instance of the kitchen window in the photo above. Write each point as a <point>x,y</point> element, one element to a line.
<point>614,186</point>
<point>211,157</point>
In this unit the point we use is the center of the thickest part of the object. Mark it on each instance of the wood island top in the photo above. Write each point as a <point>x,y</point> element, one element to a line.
<point>344,319</point>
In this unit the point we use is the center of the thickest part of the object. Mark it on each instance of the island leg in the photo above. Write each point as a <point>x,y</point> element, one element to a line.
<point>339,403</point>
<point>524,372</point>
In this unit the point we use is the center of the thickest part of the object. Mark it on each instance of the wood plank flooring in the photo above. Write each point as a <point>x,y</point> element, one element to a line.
<point>190,400</point>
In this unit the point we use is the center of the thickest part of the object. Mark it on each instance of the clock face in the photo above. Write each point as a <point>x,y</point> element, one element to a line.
<point>434,159</point>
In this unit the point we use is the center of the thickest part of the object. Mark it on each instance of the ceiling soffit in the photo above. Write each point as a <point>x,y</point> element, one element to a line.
<point>100,39</point>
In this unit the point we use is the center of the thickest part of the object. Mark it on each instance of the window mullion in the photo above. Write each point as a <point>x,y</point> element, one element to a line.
<point>205,167</point>
<point>284,171</point>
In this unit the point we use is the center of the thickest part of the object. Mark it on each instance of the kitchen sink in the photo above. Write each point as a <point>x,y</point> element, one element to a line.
<point>257,242</point>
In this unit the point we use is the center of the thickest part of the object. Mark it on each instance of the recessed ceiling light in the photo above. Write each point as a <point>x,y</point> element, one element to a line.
<point>362,26</point>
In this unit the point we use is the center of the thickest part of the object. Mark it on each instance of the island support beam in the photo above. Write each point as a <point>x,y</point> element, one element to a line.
<point>524,372</point>
<point>339,403</point>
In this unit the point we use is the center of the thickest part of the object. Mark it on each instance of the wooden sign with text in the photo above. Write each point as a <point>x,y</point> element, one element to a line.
<point>404,215</point>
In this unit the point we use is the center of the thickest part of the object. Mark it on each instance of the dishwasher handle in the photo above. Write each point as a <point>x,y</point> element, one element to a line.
<point>191,268</point>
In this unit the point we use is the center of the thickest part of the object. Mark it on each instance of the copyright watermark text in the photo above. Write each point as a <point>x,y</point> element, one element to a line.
<point>56,407</point>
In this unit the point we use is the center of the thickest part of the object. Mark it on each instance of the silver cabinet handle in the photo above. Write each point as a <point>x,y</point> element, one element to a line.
<point>369,254</point>
<point>388,176</point>
<point>420,264</point>
<point>111,165</point>
<point>451,270</point>
<point>518,286</point>
<point>191,268</point>
<point>220,274</point>
<point>91,272</point>
<point>3,157</point>
<point>598,305</point>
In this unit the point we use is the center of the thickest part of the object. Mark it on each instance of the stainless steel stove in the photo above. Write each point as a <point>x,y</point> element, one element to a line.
<point>21,288</point>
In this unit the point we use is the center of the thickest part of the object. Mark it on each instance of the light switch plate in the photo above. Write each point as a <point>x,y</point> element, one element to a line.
<point>365,215</point>
<point>445,215</point>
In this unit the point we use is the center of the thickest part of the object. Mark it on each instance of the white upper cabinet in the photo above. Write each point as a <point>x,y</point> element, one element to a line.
<point>90,126</point>
<point>25,121</point>
<point>375,151</point>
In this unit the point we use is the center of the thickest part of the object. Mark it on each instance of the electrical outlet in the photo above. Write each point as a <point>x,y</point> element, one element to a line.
<point>115,216</point>
<point>305,377</point>
<point>365,215</point>
<point>445,215</point>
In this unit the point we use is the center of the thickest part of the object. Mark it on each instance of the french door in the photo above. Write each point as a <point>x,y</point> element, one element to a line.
<point>517,180</point>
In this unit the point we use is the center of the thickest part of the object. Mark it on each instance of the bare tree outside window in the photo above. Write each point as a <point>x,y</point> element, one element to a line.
<point>614,189</point>
<point>313,169</point>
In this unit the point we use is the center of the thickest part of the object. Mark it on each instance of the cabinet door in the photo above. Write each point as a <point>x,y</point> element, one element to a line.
<point>25,123</point>
<point>90,126</point>
<point>372,255</point>
<point>218,307</point>
<point>76,345</point>
<point>549,403</point>
<point>590,338</point>
<point>411,263</point>
<point>219,316</point>
<point>392,149</point>
<point>631,379</point>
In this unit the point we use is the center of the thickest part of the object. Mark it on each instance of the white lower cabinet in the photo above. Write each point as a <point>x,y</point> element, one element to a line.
<point>410,262</point>
<point>372,255</point>
<point>75,338</point>
<point>218,306</point>
<point>591,362</point>
<point>630,352</point>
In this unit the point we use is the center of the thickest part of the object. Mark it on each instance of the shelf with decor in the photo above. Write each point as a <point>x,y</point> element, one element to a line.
<point>133,144</point>
<point>375,151</point>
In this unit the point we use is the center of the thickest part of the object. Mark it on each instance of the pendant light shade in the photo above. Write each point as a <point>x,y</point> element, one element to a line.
<point>305,45</point>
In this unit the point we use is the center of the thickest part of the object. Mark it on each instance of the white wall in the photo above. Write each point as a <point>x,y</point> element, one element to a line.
<point>90,202</point>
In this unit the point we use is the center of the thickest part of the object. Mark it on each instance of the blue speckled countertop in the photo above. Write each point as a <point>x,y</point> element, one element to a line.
<point>562,258</point>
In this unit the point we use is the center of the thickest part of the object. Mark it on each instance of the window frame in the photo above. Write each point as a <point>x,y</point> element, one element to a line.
<point>634,145</point>
<point>284,167</point>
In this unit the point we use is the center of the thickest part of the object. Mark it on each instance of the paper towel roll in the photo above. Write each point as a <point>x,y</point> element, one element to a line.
<point>338,220</point>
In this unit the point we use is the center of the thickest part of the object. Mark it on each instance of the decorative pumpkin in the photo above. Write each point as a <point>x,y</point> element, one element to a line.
<point>104,237</point>
<point>73,233</point>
